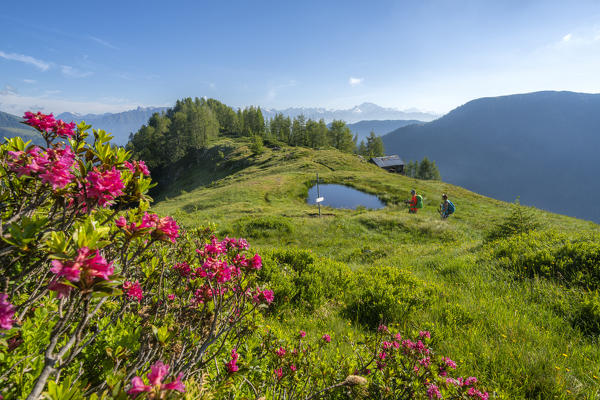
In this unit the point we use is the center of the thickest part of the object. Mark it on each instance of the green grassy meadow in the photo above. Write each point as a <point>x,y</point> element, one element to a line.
<point>513,331</point>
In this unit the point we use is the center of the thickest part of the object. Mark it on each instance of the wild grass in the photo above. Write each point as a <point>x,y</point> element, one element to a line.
<point>511,332</point>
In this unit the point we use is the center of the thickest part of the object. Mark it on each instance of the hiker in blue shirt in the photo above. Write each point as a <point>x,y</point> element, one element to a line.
<point>447,207</point>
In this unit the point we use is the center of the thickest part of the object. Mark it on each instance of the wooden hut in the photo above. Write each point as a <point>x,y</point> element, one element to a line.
<point>391,163</point>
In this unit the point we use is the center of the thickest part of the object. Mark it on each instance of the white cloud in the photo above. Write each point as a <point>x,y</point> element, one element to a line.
<point>103,42</point>
<point>42,65</point>
<point>355,81</point>
<point>567,37</point>
<point>8,90</point>
<point>74,72</point>
<point>30,81</point>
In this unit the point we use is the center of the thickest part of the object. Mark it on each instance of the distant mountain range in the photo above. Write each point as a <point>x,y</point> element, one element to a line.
<point>362,112</point>
<point>119,124</point>
<point>543,147</point>
<point>363,128</point>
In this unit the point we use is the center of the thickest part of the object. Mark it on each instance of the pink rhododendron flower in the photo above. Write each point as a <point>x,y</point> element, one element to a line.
<point>256,262</point>
<point>293,368</point>
<point>137,166</point>
<point>268,296</point>
<point>278,373</point>
<point>7,310</point>
<point>326,338</point>
<point>449,362</point>
<point>137,387</point>
<point>433,392</point>
<point>382,355</point>
<point>382,328</point>
<point>157,373</point>
<point>470,381</point>
<point>58,171</point>
<point>387,345</point>
<point>302,334</point>
<point>425,362</point>
<point>63,129</point>
<point>27,163</point>
<point>232,363</point>
<point>91,263</point>
<point>183,269</point>
<point>280,352</point>
<point>424,334</point>
<point>171,297</point>
<point>40,121</point>
<point>121,222</point>
<point>167,229</point>
<point>398,337</point>
<point>104,186</point>
<point>133,290</point>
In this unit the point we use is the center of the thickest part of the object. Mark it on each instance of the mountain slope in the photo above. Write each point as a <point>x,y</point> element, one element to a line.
<point>540,146</point>
<point>11,126</point>
<point>380,127</point>
<point>119,124</point>
<point>364,111</point>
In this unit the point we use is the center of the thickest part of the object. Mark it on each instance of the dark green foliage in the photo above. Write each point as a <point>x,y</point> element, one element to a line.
<point>520,220</point>
<point>169,137</point>
<point>423,170</point>
<point>301,280</point>
<point>372,148</point>
<point>257,146</point>
<point>384,295</point>
<point>341,137</point>
<point>571,260</point>
<point>265,226</point>
<point>587,313</point>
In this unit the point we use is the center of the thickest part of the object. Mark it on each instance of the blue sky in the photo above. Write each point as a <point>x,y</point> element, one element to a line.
<point>432,55</point>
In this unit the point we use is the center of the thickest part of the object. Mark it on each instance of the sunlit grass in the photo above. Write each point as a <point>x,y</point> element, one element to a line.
<point>504,330</point>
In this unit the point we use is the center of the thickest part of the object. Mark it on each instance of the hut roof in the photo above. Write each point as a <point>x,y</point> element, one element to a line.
<point>387,161</point>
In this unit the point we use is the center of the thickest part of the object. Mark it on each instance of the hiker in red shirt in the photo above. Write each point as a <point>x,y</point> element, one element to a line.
<point>412,203</point>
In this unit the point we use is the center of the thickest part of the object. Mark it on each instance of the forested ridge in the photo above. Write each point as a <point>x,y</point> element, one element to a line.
<point>192,123</point>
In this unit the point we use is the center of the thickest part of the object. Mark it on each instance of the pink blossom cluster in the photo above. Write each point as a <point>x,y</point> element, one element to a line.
<point>326,338</point>
<point>280,352</point>
<point>183,269</point>
<point>161,228</point>
<point>232,363</point>
<point>155,377</point>
<point>90,262</point>
<point>137,166</point>
<point>133,290</point>
<point>88,265</point>
<point>263,296</point>
<point>52,167</point>
<point>103,186</point>
<point>47,123</point>
<point>7,311</point>
<point>433,392</point>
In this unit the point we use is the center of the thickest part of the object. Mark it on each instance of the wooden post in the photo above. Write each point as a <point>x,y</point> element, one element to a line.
<point>318,195</point>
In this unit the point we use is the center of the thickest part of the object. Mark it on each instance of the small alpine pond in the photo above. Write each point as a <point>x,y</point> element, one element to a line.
<point>340,196</point>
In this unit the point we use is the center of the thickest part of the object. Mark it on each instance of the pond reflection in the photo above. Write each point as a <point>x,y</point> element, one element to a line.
<point>340,196</point>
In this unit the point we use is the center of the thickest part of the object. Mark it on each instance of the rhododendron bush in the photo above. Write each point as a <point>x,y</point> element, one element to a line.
<point>95,286</point>
<point>101,298</point>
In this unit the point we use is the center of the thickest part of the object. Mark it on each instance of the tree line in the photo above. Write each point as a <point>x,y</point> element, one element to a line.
<point>193,123</point>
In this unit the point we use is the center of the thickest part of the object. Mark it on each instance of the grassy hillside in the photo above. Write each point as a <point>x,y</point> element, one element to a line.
<point>515,330</point>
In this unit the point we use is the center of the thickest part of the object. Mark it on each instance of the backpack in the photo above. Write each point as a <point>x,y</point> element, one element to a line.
<point>419,201</point>
<point>451,207</point>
